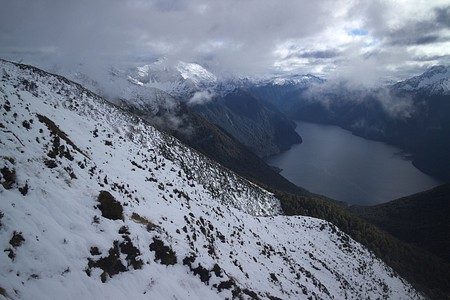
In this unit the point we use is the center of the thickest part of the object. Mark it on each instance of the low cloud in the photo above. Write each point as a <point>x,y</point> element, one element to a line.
<point>200,98</point>
<point>338,92</point>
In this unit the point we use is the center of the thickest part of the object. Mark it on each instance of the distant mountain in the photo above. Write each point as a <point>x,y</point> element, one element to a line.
<point>435,81</point>
<point>181,80</point>
<point>283,91</point>
<point>412,114</point>
<point>96,203</point>
<point>421,219</point>
<point>189,83</point>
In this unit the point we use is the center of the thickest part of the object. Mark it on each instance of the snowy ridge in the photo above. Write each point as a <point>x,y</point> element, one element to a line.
<point>436,80</point>
<point>98,204</point>
<point>183,79</point>
<point>180,80</point>
<point>296,80</point>
<point>195,72</point>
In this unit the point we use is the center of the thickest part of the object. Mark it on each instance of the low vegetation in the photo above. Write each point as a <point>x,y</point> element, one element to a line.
<point>421,219</point>
<point>8,177</point>
<point>109,206</point>
<point>164,254</point>
<point>17,239</point>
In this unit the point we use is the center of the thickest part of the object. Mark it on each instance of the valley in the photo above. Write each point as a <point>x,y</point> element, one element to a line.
<point>93,196</point>
<point>123,162</point>
<point>229,150</point>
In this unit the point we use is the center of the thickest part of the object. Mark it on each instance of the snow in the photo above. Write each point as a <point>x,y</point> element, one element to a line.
<point>196,207</point>
<point>195,72</point>
<point>434,81</point>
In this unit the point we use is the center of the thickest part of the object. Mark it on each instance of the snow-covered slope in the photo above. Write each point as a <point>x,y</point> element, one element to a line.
<point>435,81</point>
<point>97,204</point>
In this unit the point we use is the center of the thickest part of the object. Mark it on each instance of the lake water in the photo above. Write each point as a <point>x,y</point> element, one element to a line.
<point>334,163</point>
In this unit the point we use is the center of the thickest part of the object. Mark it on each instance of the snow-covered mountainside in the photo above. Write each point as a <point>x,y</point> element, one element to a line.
<point>97,204</point>
<point>435,81</point>
<point>180,80</point>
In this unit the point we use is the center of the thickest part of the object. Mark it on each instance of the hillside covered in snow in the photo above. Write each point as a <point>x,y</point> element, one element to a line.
<point>97,204</point>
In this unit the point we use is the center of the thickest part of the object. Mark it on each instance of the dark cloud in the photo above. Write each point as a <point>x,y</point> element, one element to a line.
<point>320,54</point>
<point>443,16</point>
<point>428,39</point>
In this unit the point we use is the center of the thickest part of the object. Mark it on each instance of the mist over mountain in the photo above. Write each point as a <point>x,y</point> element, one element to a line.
<point>411,114</point>
<point>222,101</point>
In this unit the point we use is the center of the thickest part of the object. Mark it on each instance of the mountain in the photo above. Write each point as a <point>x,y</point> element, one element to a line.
<point>263,130</point>
<point>267,133</point>
<point>283,91</point>
<point>421,219</point>
<point>435,80</point>
<point>97,203</point>
<point>179,119</point>
<point>412,115</point>
<point>224,102</point>
<point>181,79</point>
<point>193,129</point>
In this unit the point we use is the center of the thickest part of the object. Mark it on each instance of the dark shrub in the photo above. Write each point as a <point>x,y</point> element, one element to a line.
<point>17,239</point>
<point>24,190</point>
<point>95,251</point>
<point>163,253</point>
<point>111,264</point>
<point>9,177</point>
<point>132,252</point>
<point>110,207</point>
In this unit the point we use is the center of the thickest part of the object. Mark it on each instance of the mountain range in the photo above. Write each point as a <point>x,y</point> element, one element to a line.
<point>265,131</point>
<point>411,114</point>
<point>97,203</point>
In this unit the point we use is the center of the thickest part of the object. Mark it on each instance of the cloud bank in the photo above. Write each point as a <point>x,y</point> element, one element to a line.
<point>362,40</point>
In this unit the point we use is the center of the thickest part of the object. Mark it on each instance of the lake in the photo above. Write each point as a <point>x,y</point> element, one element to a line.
<point>335,163</point>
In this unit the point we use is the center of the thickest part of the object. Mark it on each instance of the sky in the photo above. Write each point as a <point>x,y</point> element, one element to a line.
<point>364,41</point>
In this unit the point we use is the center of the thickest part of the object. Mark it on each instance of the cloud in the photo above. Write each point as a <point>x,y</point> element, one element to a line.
<point>200,98</point>
<point>237,36</point>
<point>341,90</point>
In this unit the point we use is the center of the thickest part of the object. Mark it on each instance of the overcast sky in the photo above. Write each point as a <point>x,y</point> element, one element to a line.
<point>364,40</point>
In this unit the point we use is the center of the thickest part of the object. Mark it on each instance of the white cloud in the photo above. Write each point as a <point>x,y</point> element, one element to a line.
<point>200,98</point>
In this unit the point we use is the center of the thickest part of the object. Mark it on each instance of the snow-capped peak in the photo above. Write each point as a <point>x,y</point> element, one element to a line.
<point>297,79</point>
<point>435,80</point>
<point>196,73</point>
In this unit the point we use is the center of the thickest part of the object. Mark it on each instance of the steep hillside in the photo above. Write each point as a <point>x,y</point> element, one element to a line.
<point>260,127</point>
<point>179,119</point>
<point>98,204</point>
<point>264,131</point>
<point>194,130</point>
<point>421,219</point>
